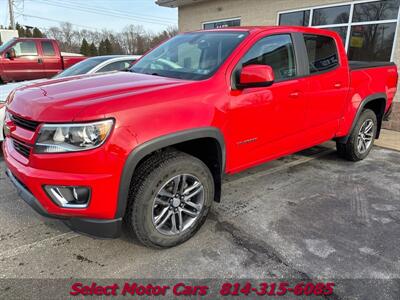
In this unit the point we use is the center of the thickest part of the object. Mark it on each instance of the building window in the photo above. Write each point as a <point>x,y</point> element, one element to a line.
<point>372,42</point>
<point>331,15</point>
<point>367,28</point>
<point>221,24</point>
<point>297,18</point>
<point>376,11</point>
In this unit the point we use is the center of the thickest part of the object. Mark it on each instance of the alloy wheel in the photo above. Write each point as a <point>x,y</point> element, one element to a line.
<point>365,136</point>
<point>178,204</point>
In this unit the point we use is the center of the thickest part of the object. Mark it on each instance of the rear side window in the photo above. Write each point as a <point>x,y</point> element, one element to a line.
<point>276,51</point>
<point>322,53</point>
<point>48,49</point>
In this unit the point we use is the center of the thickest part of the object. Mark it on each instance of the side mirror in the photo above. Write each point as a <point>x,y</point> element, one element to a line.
<point>11,54</point>
<point>256,76</point>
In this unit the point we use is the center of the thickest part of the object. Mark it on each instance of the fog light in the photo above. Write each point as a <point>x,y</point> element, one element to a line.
<point>69,196</point>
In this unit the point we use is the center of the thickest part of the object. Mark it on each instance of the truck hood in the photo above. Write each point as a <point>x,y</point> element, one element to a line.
<point>61,100</point>
<point>6,89</point>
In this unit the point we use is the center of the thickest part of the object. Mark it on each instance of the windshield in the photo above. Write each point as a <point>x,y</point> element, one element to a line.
<point>6,44</point>
<point>192,56</point>
<point>82,67</point>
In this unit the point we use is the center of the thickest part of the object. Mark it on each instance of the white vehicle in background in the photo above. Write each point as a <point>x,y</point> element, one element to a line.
<point>97,64</point>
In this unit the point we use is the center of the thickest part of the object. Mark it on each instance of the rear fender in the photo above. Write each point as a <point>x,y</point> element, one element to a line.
<point>360,109</point>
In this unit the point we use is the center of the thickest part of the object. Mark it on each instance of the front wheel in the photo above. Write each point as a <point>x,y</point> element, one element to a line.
<point>170,198</point>
<point>361,139</point>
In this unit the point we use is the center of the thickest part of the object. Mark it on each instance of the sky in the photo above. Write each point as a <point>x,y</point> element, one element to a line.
<point>91,14</point>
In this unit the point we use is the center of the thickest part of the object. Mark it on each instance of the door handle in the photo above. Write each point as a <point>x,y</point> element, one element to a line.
<point>294,95</point>
<point>40,61</point>
<point>337,85</point>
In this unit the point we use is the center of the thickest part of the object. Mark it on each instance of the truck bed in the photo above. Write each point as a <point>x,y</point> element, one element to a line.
<point>356,65</point>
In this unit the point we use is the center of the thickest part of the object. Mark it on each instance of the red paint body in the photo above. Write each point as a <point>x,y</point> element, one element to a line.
<point>35,66</point>
<point>280,119</point>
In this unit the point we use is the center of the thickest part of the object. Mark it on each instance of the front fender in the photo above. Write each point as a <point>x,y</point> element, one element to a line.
<point>149,147</point>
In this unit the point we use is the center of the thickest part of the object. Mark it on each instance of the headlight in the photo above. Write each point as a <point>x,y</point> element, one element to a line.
<point>56,138</point>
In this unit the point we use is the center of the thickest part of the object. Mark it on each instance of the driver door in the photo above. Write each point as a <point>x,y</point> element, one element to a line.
<point>265,122</point>
<point>27,63</point>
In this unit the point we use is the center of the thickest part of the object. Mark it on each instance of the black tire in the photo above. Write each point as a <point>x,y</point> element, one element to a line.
<point>150,177</point>
<point>350,150</point>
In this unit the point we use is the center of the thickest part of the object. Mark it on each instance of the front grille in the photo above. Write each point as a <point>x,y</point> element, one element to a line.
<point>24,123</point>
<point>22,148</point>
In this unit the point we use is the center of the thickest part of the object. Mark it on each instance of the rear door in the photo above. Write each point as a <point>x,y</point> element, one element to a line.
<point>51,59</point>
<point>27,64</point>
<point>329,84</point>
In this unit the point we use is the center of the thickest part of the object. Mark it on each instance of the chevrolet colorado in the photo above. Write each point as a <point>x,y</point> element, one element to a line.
<point>148,148</point>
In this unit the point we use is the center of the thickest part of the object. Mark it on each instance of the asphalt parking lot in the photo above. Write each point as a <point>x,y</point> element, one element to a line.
<point>309,215</point>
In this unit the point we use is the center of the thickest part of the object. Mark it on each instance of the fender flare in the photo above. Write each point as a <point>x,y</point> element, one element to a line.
<point>363,103</point>
<point>149,147</point>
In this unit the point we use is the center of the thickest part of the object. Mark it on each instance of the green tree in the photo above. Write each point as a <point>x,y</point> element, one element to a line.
<point>108,47</point>
<point>28,32</point>
<point>102,48</point>
<point>85,48</point>
<point>116,46</point>
<point>37,33</point>
<point>21,30</point>
<point>93,50</point>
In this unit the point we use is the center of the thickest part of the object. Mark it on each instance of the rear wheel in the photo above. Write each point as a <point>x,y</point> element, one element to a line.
<point>361,139</point>
<point>170,197</point>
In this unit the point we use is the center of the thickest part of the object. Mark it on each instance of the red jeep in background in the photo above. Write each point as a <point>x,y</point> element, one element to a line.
<point>148,148</point>
<point>33,58</point>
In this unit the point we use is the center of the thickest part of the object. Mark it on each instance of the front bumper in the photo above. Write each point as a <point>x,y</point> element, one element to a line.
<point>93,227</point>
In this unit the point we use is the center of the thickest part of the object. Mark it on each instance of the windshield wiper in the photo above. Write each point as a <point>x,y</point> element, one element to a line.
<point>147,73</point>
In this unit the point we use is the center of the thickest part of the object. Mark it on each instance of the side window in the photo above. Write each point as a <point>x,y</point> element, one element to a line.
<point>276,51</point>
<point>116,66</point>
<point>322,53</point>
<point>27,48</point>
<point>48,49</point>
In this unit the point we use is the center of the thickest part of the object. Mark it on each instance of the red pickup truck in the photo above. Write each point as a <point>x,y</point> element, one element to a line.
<point>33,58</point>
<point>148,148</point>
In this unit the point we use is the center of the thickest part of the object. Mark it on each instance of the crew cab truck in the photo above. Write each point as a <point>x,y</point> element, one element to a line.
<point>33,58</point>
<point>147,148</point>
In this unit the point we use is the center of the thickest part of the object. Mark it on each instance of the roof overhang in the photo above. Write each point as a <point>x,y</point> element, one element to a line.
<point>176,3</point>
